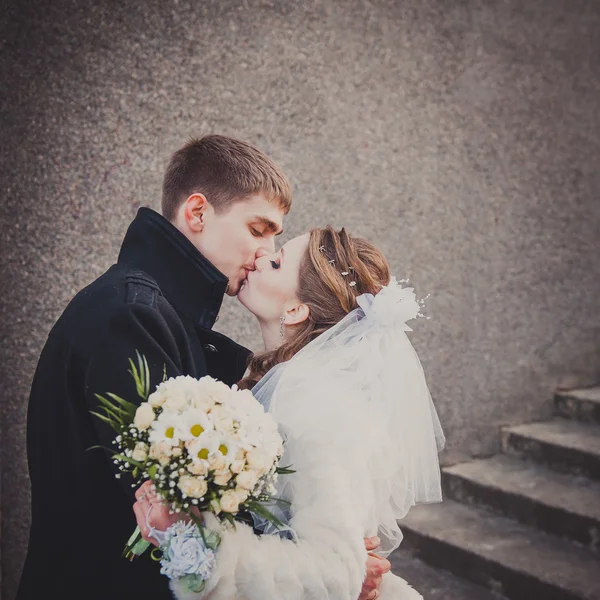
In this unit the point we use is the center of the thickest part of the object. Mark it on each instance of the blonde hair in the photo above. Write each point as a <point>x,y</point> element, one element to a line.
<point>326,291</point>
<point>226,171</point>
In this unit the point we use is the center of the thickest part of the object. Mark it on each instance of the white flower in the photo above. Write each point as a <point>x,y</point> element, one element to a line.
<point>230,502</point>
<point>227,447</point>
<point>214,390</point>
<point>223,478</point>
<point>242,494</point>
<point>202,448</point>
<point>247,480</point>
<point>198,467</point>
<point>217,462</point>
<point>194,487</point>
<point>192,423</point>
<point>244,404</point>
<point>140,452</point>
<point>157,398</point>
<point>237,466</point>
<point>178,392</point>
<point>222,418</point>
<point>144,416</point>
<point>259,460</point>
<point>165,428</point>
<point>161,451</point>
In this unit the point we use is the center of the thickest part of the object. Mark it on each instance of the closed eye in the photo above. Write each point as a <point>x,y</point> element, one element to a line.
<point>274,264</point>
<point>256,232</point>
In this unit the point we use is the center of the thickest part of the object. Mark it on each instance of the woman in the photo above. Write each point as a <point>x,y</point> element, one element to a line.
<point>345,386</point>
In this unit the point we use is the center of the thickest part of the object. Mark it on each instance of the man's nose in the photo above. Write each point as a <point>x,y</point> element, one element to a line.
<point>261,252</point>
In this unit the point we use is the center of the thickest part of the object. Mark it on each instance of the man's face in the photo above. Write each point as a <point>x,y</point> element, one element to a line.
<point>233,239</point>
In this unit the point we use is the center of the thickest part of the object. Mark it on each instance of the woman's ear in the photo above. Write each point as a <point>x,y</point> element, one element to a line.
<point>194,211</point>
<point>297,314</point>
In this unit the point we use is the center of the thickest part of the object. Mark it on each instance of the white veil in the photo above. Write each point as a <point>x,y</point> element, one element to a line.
<point>355,401</point>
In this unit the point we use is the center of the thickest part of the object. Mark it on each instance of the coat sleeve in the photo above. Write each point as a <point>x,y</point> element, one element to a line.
<point>157,334</point>
<point>327,561</point>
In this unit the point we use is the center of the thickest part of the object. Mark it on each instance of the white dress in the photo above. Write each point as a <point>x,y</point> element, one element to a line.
<point>362,435</point>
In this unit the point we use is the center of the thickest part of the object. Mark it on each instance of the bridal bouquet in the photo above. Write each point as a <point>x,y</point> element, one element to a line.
<point>206,447</point>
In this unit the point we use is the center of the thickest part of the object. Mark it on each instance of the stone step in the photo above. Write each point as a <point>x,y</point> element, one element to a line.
<point>501,554</point>
<point>581,404</point>
<point>436,584</point>
<point>567,446</point>
<point>563,505</point>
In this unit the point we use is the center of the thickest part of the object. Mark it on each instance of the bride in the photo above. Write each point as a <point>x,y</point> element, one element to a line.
<point>347,390</point>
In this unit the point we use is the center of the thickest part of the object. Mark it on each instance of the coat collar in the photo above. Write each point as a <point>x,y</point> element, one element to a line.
<point>188,280</point>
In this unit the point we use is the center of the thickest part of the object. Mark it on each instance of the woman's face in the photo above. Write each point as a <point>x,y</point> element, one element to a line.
<point>271,289</point>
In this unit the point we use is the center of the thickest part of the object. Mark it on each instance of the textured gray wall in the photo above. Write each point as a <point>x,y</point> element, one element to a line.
<point>463,137</point>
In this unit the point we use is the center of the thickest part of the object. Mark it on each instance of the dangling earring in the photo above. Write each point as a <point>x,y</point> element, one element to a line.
<point>281,322</point>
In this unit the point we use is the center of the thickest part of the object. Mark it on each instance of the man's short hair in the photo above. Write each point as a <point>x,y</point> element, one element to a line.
<point>226,171</point>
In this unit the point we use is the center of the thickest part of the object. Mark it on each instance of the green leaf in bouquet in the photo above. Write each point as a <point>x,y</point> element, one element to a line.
<point>110,422</point>
<point>141,375</point>
<point>263,511</point>
<point>129,408</point>
<point>165,372</point>
<point>153,471</point>
<point>113,406</point>
<point>111,414</point>
<point>136,545</point>
<point>284,470</point>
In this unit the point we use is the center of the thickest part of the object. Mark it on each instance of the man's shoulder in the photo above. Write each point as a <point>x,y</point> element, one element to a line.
<point>95,306</point>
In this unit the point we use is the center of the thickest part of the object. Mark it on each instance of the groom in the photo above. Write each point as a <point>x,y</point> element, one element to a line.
<point>223,204</point>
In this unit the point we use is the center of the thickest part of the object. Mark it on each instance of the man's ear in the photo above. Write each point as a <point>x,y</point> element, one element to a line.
<point>194,212</point>
<point>298,313</point>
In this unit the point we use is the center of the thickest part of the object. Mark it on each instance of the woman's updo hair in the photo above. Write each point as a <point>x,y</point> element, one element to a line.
<point>336,269</point>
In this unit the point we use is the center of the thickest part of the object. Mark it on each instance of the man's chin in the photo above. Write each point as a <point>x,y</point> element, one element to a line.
<point>233,289</point>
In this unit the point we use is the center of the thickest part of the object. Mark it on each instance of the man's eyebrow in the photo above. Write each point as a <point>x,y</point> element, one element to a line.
<point>270,225</point>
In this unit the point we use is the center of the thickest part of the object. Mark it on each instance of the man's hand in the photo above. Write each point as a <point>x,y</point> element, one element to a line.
<point>376,568</point>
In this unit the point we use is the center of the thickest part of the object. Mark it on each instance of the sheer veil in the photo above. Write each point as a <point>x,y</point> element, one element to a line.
<point>355,401</point>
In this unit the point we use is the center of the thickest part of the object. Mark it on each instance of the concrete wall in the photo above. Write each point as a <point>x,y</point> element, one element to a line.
<point>463,137</point>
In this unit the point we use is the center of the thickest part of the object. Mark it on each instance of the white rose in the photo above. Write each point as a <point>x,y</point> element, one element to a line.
<point>247,479</point>
<point>194,487</point>
<point>157,399</point>
<point>259,460</point>
<point>203,402</point>
<point>216,390</point>
<point>230,502</point>
<point>237,466</point>
<point>217,462</point>
<point>176,400</point>
<point>140,452</point>
<point>199,467</point>
<point>176,451</point>
<point>242,494</point>
<point>144,416</point>
<point>161,451</point>
<point>223,478</point>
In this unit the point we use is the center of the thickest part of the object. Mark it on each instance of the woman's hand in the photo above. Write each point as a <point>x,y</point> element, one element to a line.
<point>150,511</point>
<point>377,567</point>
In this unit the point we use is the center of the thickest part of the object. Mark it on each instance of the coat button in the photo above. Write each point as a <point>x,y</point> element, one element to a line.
<point>210,348</point>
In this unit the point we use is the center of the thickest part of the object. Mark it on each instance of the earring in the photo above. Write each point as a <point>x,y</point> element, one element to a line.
<point>281,322</point>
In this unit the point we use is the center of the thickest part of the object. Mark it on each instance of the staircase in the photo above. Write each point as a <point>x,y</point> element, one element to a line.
<point>524,524</point>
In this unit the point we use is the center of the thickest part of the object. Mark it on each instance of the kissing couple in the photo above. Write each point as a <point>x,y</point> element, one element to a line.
<point>338,375</point>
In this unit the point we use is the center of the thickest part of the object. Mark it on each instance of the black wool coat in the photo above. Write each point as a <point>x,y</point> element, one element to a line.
<point>161,299</point>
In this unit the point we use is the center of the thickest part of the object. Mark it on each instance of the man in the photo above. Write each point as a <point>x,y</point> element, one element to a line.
<point>223,204</point>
